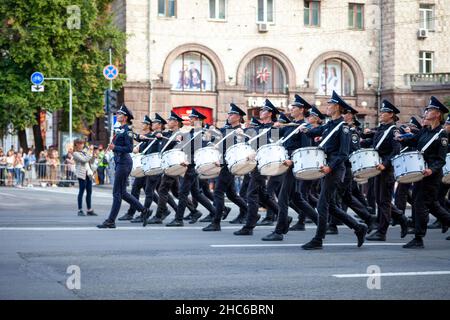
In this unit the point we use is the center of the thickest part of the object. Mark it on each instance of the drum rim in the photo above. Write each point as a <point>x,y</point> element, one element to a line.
<point>405,153</point>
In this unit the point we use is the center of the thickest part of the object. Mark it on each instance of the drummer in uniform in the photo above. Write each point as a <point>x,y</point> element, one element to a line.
<point>138,182</point>
<point>426,190</point>
<point>267,117</point>
<point>337,150</point>
<point>387,147</point>
<point>225,180</point>
<point>190,182</point>
<point>241,218</point>
<point>122,146</point>
<point>291,187</point>
<point>169,183</point>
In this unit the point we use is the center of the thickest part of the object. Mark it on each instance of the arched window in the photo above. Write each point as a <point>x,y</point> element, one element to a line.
<point>265,74</point>
<point>192,71</point>
<point>334,74</point>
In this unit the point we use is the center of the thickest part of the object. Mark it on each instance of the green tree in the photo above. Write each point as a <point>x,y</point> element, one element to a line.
<point>59,40</point>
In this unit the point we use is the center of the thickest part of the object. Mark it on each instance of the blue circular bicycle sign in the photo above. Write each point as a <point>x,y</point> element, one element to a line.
<point>37,78</point>
<point>110,72</point>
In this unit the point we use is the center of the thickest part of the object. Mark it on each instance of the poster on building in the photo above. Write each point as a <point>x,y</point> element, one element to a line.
<point>192,72</point>
<point>184,112</point>
<point>329,78</point>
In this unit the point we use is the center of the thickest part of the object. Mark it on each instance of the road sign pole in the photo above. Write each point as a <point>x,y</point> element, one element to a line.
<point>110,87</point>
<point>110,62</point>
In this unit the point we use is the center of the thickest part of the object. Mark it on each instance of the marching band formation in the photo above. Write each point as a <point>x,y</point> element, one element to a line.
<point>318,169</point>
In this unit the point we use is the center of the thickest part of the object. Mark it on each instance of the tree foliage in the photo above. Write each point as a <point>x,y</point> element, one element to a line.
<point>42,35</point>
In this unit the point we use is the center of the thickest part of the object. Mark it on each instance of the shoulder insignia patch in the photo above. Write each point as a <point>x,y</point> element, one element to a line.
<point>354,138</point>
<point>444,142</point>
<point>346,130</point>
<point>130,134</point>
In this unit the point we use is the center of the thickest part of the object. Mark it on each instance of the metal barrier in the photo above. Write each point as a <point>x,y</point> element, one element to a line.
<point>39,174</point>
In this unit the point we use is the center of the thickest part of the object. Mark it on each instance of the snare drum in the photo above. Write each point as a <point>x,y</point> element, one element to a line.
<point>361,180</point>
<point>240,159</point>
<point>270,159</point>
<point>307,163</point>
<point>364,163</point>
<point>446,170</point>
<point>207,162</point>
<point>137,170</point>
<point>171,162</point>
<point>408,167</point>
<point>151,164</point>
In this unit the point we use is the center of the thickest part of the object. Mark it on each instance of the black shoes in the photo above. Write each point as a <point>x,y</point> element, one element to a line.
<point>175,223</point>
<point>411,231</point>
<point>126,217</point>
<point>416,243</point>
<point>298,227</point>
<point>91,213</point>
<point>208,218</point>
<point>361,234</point>
<point>107,225</point>
<point>403,226</point>
<point>265,222</point>
<point>376,236</point>
<point>314,244</point>
<point>226,212</point>
<point>435,225</point>
<point>155,220</point>
<point>448,238</point>
<point>165,215</point>
<point>238,220</point>
<point>273,237</point>
<point>212,227</point>
<point>80,213</point>
<point>243,232</point>
<point>444,228</point>
<point>332,229</point>
<point>195,216</point>
<point>146,213</point>
<point>138,219</point>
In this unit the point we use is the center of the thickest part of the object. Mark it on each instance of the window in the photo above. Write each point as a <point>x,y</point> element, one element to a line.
<point>334,74</point>
<point>167,8</point>
<point>356,16</point>
<point>192,71</point>
<point>265,11</point>
<point>217,9</point>
<point>426,16</point>
<point>311,15</point>
<point>265,74</point>
<point>425,62</point>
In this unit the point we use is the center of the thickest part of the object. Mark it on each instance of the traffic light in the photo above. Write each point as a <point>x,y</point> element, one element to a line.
<point>111,101</point>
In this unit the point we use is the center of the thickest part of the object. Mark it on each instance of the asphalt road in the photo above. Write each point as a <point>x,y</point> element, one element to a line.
<point>41,236</point>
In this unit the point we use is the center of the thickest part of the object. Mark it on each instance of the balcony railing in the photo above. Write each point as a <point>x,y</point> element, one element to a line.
<point>428,80</point>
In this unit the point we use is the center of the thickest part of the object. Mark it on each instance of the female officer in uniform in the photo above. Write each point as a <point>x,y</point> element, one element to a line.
<point>122,146</point>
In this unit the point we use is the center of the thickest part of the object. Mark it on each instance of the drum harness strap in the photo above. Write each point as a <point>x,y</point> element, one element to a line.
<point>331,134</point>
<point>384,136</point>
<point>148,147</point>
<point>425,147</point>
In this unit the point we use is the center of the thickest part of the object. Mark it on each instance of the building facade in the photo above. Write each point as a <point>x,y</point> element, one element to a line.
<point>208,53</point>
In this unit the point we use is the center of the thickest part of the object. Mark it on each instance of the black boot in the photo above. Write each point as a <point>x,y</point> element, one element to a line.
<point>265,222</point>
<point>208,218</point>
<point>226,212</point>
<point>361,234</point>
<point>126,217</point>
<point>416,243</point>
<point>155,220</point>
<point>314,244</point>
<point>298,227</point>
<point>195,216</point>
<point>107,224</point>
<point>175,223</point>
<point>376,236</point>
<point>273,237</point>
<point>212,227</point>
<point>403,226</point>
<point>146,213</point>
<point>240,219</point>
<point>243,232</point>
<point>138,219</point>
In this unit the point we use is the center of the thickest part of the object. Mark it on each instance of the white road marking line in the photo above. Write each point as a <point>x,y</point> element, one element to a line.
<point>117,228</point>
<point>391,274</point>
<point>9,195</point>
<point>343,244</point>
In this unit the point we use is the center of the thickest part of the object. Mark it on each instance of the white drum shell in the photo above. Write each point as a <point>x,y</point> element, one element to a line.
<point>270,159</point>
<point>171,162</point>
<point>408,167</point>
<point>307,162</point>
<point>364,163</point>
<point>446,170</point>
<point>151,164</point>
<point>240,159</point>
<point>137,170</point>
<point>206,160</point>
